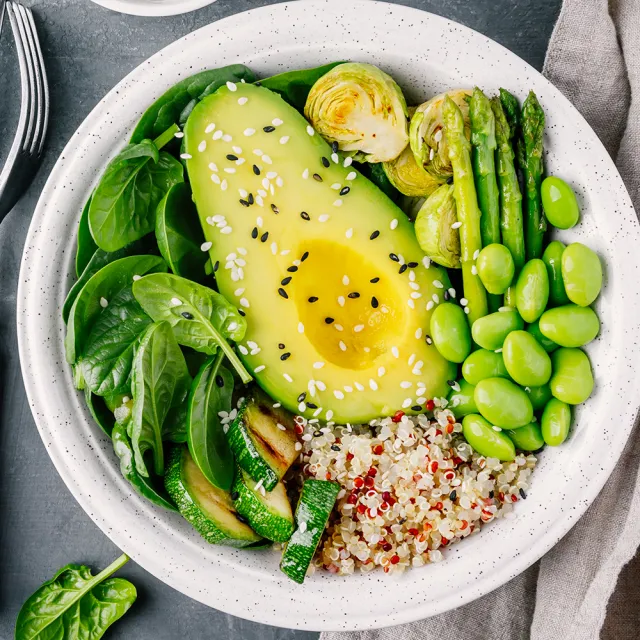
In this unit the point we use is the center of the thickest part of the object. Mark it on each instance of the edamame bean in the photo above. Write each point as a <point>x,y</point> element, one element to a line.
<point>503,403</point>
<point>483,364</point>
<point>534,330</point>
<point>527,438</point>
<point>495,268</point>
<point>486,440</point>
<point>559,202</point>
<point>526,361</point>
<point>462,402</point>
<point>539,396</point>
<point>572,378</point>
<point>555,422</point>
<point>450,332</point>
<point>581,273</point>
<point>570,325</point>
<point>490,331</point>
<point>532,290</point>
<point>552,257</point>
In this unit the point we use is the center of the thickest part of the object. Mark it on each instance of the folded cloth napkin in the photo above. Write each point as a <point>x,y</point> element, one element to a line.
<point>594,59</point>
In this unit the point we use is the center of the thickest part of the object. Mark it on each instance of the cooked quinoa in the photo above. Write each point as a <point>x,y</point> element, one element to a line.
<point>411,485</point>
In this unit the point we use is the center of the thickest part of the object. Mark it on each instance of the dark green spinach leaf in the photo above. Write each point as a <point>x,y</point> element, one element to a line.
<point>99,411</point>
<point>211,392</point>
<point>102,287</point>
<point>160,381</point>
<point>85,245</point>
<point>175,105</point>
<point>148,488</point>
<point>179,234</point>
<point>294,86</point>
<point>201,318</point>
<point>75,605</point>
<point>376,174</point>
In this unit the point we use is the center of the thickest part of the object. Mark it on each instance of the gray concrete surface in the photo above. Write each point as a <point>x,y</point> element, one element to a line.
<point>87,50</point>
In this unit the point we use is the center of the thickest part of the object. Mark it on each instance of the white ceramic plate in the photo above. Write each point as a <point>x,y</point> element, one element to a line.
<point>426,54</point>
<point>154,7</point>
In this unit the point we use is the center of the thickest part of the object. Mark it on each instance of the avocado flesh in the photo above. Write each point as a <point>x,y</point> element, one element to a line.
<point>355,366</point>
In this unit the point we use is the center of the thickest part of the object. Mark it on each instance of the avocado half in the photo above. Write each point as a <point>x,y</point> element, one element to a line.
<point>328,271</point>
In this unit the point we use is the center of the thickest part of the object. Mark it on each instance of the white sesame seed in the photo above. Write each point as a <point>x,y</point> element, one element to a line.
<point>252,344</point>
<point>229,170</point>
<point>414,285</point>
<point>411,304</point>
<point>438,284</point>
<point>104,303</point>
<point>345,280</point>
<point>215,178</point>
<point>259,201</point>
<point>341,301</point>
<point>495,428</point>
<point>310,130</point>
<point>262,192</point>
<point>272,174</point>
<point>352,175</point>
<point>210,127</point>
<point>244,302</point>
<point>213,167</point>
<point>318,365</point>
<point>186,156</point>
<point>464,302</point>
<point>266,159</point>
<point>226,230</point>
<point>467,310</point>
<point>416,294</point>
<point>456,225</point>
<point>381,371</point>
<point>217,135</point>
<point>337,203</point>
<point>430,305</point>
<point>411,359</point>
<point>395,352</point>
<point>302,407</point>
<point>205,246</point>
<point>279,181</point>
<point>335,158</point>
<point>259,222</point>
<point>224,185</point>
<point>284,139</point>
<point>243,193</point>
<point>393,224</point>
<point>476,253</point>
<point>249,132</point>
<point>435,298</point>
<point>347,388</point>
<point>407,403</point>
<point>349,233</point>
<point>243,350</point>
<point>276,122</point>
<point>418,333</point>
<point>178,134</point>
<point>336,186</point>
<point>274,248</point>
<point>287,377</point>
<point>262,367</point>
<point>272,190</point>
<point>426,261</point>
<point>243,100</point>
<point>338,394</point>
<point>474,270</point>
<point>227,138</point>
<point>342,345</point>
<point>452,292</point>
<point>405,384</point>
<point>347,162</point>
<point>373,385</point>
<point>358,328</point>
<point>358,386</point>
<point>238,292</point>
<point>324,217</point>
<point>300,327</point>
<point>305,174</point>
<point>338,327</point>
<point>321,385</point>
<point>202,146</point>
<point>231,86</point>
<point>285,252</point>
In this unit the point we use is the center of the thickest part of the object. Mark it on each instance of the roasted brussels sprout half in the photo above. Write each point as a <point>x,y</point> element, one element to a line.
<point>434,228</point>
<point>408,177</point>
<point>362,109</point>
<point>426,135</point>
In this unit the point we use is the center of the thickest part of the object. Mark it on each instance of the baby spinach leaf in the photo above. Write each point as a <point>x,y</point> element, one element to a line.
<point>294,86</point>
<point>99,411</point>
<point>146,487</point>
<point>75,605</point>
<point>108,351</point>
<point>174,428</point>
<point>99,289</point>
<point>124,203</point>
<point>175,105</point>
<point>179,233</point>
<point>159,382</point>
<point>211,392</point>
<point>85,245</point>
<point>201,318</point>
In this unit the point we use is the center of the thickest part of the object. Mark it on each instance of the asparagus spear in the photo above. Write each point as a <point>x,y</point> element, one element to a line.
<point>532,130</point>
<point>464,192</point>
<point>483,141</point>
<point>512,112</point>
<point>510,196</point>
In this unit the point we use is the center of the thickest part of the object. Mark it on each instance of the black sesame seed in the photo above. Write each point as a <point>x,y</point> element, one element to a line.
<point>257,84</point>
<point>187,315</point>
<point>256,169</point>
<point>241,518</point>
<point>292,269</point>
<point>305,216</point>
<point>220,381</point>
<point>285,356</point>
<point>254,232</point>
<point>283,293</point>
<point>235,495</point>
<point>453,495</point>
<point>451,383</point>
<point>416,407</point>
<point>313,299</point>
<point>325,162</point>
<point>344,191</point>
<point>328,320</point>
<point>374,302</point>
<point>285,281</point>
<point>311,405</point>
<point>317,177</point>
<point>374,235</point>
<point>523,495</point>
<point>250,199</point>
<point>244,203</point>
<point>394,257</point>
<point>281,345</point>
<point>317,434</point>
<point>334,147</point>
<point>264,236</point>
<point>216,266</point>
<point>302,396</point>
<point>268,129</point>
<point>403,268</point>
<point>242,313</point>
<point>374,280</point>
<point>412,265</point>
<point>230,156</point>
<point>304,256</point>
<point>353,295</point>
<point>335,447</point>
<point>428,339</point>
<point>275,209</point>
<point>446,295</point>
<point>491,494</point>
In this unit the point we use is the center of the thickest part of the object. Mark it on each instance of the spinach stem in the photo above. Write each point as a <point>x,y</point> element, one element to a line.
<point>112,568</point>
<point>166,137</point>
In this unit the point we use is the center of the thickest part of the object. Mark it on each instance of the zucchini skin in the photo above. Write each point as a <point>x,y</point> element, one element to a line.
<point>317,500</point>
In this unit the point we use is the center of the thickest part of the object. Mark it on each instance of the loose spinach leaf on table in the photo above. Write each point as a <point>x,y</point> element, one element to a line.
<point>160,382</point>
<point>149,488</point>
<point>175,105</point>
<point>201,318</point>
<point>85,245</point>
<point>102,287</point>
<point>211,393</point>
<point>179,234</point>
<point>294,86</point>
<point>75,605</point>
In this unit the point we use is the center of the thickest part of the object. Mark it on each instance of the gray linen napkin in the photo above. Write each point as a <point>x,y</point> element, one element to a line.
<point>594,59</point>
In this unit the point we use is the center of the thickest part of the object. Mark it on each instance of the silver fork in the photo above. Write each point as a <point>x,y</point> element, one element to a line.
<point>26,150</point>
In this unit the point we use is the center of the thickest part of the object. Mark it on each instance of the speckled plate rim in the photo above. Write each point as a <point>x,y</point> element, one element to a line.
<point>153,8</point>
<point>568,478</point>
